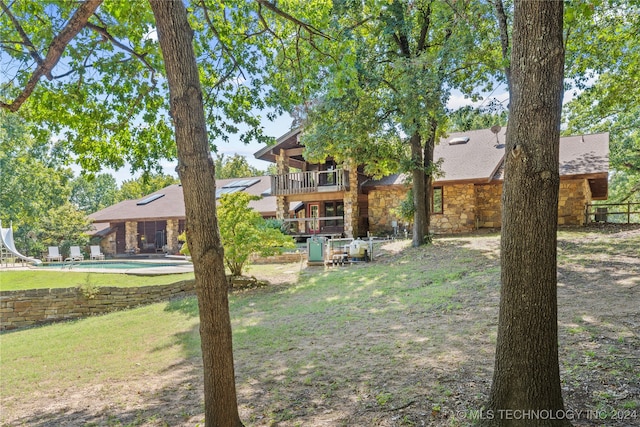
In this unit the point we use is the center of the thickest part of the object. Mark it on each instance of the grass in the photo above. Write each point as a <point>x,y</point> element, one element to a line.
<point>339,346</point>
<point>28,279</point>
<point>114,347</point>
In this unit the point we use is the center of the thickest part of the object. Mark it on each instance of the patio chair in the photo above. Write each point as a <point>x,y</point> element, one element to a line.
<point>75,253</point>
<point>54,254</point>
<point>95,253</point>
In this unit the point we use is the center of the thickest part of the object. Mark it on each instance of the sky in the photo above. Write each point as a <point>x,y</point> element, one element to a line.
<point>279,127</point>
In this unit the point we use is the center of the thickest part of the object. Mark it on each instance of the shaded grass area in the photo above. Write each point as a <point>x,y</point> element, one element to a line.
<point>407,340</point>
<point>29,279</point>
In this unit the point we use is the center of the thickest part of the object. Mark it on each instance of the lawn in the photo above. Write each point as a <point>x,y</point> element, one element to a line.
<point>13,280</point>
<point>406,340</point>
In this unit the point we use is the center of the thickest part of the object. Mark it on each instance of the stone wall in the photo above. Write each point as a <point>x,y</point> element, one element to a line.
<point>459,210</point>
<point>489,205</point>
<point>37,306</point>
<point>574,195</point>
<point>382,204</point>
<point>468,206</point>
<point>285,258</point>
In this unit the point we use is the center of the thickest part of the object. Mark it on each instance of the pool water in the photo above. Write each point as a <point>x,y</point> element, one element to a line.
<point>116,265</point>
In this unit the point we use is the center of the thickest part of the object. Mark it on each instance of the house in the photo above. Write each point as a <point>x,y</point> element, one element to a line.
<point>331,199</point>
<point>339,199</point>
<point>153,223</point>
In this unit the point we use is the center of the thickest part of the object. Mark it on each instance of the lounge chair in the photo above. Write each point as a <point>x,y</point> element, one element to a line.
<point>54,254</point>
<point>95,252</point>
<point>75,253</point>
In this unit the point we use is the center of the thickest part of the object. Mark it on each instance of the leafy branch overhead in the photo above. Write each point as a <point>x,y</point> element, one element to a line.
<point>104,91</point>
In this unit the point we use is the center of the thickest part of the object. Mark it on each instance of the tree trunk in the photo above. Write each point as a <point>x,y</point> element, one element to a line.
<point>420,201</point>
<point>526,376</point>
<point>197,175</point>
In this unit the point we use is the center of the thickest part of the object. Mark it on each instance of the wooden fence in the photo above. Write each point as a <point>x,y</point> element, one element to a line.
<point>619,213</point>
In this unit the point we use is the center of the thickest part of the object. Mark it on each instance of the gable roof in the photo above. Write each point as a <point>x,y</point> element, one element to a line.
<point>290,139</point>
<point>168,203</point>
<point>480,159</point>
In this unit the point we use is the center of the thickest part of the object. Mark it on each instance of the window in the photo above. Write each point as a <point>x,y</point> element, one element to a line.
<point>334,209</point>
<point>436,200</point>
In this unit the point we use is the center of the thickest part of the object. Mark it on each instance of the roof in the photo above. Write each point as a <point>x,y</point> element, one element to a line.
<point>290,139</point>
<point>168,203</point>
<point>480,158</point>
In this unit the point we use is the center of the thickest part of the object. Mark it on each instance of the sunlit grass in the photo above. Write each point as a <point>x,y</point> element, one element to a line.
<point>29,279</point>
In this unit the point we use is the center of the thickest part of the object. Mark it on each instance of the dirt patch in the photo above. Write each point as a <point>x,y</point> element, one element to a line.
<point>415,350</point>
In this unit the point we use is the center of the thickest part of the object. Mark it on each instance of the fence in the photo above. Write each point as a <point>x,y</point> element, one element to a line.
<point>619,213</point>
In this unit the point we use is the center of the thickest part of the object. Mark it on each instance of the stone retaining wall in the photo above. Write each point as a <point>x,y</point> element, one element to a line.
<point>36,306</point>
<point>285,258</point>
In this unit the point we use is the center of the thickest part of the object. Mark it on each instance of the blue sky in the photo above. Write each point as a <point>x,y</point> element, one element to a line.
<point>278,128</point>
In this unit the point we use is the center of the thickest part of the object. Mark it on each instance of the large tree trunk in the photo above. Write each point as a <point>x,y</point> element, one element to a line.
<point>420,196</point>
<point>526,376</point>
<point>196,171</point>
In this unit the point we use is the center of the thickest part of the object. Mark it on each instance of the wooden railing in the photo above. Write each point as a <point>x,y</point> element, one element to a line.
<point>308,182</point>
<point>320,225</point>
<point>619,213</point>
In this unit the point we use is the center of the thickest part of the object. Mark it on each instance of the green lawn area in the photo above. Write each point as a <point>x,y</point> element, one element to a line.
<point>406,340</point>
<point>30,279</point>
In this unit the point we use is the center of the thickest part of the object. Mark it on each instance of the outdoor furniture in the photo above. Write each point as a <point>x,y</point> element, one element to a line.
<point>75,253</point>
<point>95,253</point>
<point>54,254</point>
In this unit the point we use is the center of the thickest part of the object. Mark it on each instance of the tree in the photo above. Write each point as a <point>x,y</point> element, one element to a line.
<point>108,99</point>
<point>470,118</point>
<point>32,179</point>
<point>244,232</point>
<point>235,166</point>
<point>64,226</point>
<point>602,63</point>
<point>382,81</point>
<point>526,374</point>
<point>92,193</point>
<point>144,185</point>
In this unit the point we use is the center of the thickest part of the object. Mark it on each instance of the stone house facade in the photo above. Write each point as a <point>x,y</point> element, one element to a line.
<point>469,188</point>
<point>471,184</point>
<point>331,199</point>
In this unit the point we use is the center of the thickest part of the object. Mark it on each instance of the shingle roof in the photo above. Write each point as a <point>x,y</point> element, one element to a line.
<point>171,204</point>
<point>481,157</point>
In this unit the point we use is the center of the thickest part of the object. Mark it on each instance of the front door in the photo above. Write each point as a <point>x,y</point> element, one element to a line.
<point>314,214</point>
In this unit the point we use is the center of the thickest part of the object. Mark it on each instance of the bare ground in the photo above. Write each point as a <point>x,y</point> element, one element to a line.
<point>413,366</point>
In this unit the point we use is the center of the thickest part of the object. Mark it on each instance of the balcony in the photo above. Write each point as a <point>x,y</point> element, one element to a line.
<point>320,226</point>
<point>309,182</point>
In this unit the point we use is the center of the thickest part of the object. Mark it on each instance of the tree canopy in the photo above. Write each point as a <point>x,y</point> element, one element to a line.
<point>373,85</point>
<point>603,59</point>
<point>235,166</point>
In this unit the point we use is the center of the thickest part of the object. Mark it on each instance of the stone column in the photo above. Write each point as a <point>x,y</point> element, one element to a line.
<point>351,211</point>
<point>172,235</point>
<point>131,236</point>
<point>283,168</point>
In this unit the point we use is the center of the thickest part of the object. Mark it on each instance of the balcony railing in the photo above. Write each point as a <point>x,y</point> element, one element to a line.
<point>309,182</point>
<point>309,226</point>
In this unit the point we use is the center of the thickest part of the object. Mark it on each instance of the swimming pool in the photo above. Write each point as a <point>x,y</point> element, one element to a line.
<point>120,266</point>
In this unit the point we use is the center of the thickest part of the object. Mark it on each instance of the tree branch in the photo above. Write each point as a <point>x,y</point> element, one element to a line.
<point>504,38</point>
<point>310,28</point>
<point>424,30</point>
<point>77,22</point>
<point>25,38</point>
<point>105,33</point>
